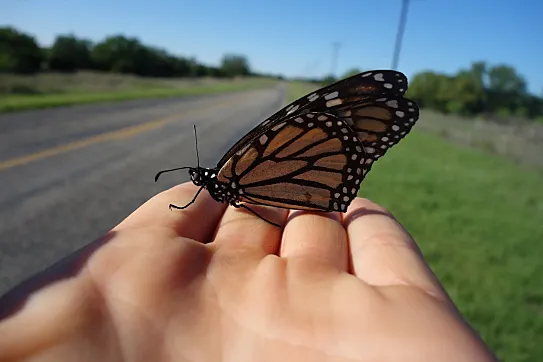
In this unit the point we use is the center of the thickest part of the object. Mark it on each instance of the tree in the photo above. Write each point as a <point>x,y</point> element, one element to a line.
<point>19,52</point>
<point>69,54</point>
<point>350,73</point>
<point>430,89</point>
<point>235,65</point>
<point>329,79</point>
<point>122,55</point>
<point>506,90</point>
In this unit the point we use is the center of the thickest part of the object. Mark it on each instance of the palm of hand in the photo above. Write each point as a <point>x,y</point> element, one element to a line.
<point>324,290</point>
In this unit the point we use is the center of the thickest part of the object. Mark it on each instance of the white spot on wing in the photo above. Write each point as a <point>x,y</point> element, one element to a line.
<point>334,102</point>
<point>263,139</point>
<point>393,103</point>
<point>292,108</point>
<point>322,118</point>
<point>331,95</point>
<point>379,77</point>
<point>278,126</point>
<point>388,85</point>
<point>312,97</point>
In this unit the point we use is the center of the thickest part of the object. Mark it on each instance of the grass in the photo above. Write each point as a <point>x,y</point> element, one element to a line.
<point>477,218</point>
<point>56,90</point>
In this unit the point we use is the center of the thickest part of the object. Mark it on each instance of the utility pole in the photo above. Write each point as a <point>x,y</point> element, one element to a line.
<point>399,35</point>
<point>335,52</point>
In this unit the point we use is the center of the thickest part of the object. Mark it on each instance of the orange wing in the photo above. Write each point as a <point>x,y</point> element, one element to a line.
<point>313,161</point>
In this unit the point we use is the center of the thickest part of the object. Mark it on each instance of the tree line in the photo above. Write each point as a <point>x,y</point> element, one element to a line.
<point>21,54</point>
<point>482,89</point>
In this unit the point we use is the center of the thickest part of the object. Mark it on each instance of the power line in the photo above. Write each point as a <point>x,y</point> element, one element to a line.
<point>335,45</point>
<point>399,34</point>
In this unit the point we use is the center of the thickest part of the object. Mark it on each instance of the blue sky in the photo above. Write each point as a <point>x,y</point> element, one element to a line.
<point>295,37</point>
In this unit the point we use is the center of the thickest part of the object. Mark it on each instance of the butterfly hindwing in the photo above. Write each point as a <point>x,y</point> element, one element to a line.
<point>359,88</point>
<point>313,161</point>
<point>380,123</point>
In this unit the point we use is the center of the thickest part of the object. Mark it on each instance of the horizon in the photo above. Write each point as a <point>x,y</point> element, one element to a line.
<point>301,46</point>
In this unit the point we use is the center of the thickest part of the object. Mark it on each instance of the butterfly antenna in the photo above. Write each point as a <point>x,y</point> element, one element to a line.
<point>182,168</point>
<point>196,141</point>
<point>172,206</point>
<point>171,169</point>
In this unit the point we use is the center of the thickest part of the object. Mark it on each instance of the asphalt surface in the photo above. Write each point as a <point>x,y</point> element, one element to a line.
<point>67,176</point>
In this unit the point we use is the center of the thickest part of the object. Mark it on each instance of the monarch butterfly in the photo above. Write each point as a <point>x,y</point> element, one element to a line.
<point>314,153</point>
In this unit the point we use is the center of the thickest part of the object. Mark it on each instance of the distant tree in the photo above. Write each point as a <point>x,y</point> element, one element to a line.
<point>329,79</point>
<point>464,93</point>
<point>430,89</point>
<point>122,55</point>
<point>235,65</point>
<point>350,73</point>
<point>69,53</point>
<point>506,89</point>
<point>505,79</point>
<point>19,52</point>
<point>497,90</point>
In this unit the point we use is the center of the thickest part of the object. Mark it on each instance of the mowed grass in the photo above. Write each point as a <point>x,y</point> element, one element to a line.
<point>56,90</point>
<point>478,219</point>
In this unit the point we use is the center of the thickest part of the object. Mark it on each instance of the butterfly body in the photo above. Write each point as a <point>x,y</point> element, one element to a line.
<point>314,153</point>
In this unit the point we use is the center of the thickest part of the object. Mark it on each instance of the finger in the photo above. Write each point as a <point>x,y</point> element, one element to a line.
<point>197,221</point>
<point>316,238</point>
<point>239,228</point>
<point>382,251</point>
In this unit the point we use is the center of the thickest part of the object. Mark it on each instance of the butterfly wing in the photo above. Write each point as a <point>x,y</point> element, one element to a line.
<point>380,123</point>
<point>313,161</point>
<point>348,92</point>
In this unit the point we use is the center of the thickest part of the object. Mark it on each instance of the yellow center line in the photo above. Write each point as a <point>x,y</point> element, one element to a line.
<point>122,133</point>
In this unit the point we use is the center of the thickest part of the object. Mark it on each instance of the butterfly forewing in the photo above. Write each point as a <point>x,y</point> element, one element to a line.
<point>359,88</point>
<point>313,161</point>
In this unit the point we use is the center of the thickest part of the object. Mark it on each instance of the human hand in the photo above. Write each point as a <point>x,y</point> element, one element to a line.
<point>205,284</point>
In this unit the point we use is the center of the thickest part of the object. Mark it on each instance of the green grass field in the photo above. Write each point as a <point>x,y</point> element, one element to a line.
<point>478,220</point>
<point>56,90</point>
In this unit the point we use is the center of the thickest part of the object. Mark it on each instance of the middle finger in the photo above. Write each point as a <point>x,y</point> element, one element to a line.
<point>316,238</point>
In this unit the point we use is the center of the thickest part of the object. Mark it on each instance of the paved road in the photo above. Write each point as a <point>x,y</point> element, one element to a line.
<point>68,175</point>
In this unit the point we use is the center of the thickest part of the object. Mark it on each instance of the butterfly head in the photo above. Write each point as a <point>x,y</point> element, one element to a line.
<point>201,176</point>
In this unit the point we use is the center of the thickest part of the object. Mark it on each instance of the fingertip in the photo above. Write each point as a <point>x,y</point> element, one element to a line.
<point>197,221</point>
<point>383,253</point>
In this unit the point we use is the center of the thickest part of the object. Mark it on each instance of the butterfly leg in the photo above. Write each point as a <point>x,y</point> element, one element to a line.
<point>236,205</point>
<point>172,206</point>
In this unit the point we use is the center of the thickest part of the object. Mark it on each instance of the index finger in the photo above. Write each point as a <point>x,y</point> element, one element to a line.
<point>197,221</point>
<point>383,253</point>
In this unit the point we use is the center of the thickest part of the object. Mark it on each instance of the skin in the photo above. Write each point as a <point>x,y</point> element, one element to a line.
<point>215,283</point>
